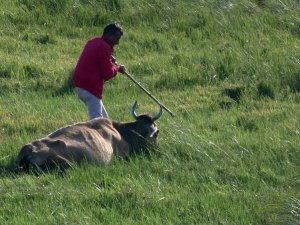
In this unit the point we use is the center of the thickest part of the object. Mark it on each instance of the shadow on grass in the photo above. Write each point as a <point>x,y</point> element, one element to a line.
<point>66,88</point>
<point>9,171</point>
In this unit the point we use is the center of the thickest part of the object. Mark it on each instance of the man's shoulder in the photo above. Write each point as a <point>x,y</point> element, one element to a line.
<point>98,41</point>
<point>97,44</point>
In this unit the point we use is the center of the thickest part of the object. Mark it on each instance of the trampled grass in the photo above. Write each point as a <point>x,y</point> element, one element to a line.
<point>228,69</point>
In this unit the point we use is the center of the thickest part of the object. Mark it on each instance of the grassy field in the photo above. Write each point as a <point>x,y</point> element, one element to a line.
<point>230,71</point>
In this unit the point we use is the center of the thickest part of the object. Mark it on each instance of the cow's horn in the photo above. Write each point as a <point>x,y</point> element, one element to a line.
<point>133,108</point>
<point>158,115</point>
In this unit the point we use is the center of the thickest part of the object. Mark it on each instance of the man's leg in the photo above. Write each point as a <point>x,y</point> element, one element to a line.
<point>94,104</point>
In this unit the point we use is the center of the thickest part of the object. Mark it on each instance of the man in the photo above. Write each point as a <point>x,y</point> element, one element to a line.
<point>95,66</point>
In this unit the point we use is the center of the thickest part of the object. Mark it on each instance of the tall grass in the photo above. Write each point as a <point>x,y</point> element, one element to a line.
<point>228,69</point>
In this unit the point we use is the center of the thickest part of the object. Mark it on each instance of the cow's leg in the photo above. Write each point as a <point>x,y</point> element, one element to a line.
<point>32,155</point>
<point>49,159</point>
<point>53,159</point>
<point>57,161</point>
<point>29,159</point>
<point>22,162</point>
<point>42,160</point>
<point>38,159</point>
<point>42,155</point>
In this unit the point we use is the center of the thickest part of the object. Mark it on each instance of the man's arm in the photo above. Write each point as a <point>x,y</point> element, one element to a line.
<point>108,71</point>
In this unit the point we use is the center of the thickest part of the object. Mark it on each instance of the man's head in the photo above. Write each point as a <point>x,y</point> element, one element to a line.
<point>113,33</point>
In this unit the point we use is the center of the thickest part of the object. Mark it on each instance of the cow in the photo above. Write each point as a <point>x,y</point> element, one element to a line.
<point>94,141</point>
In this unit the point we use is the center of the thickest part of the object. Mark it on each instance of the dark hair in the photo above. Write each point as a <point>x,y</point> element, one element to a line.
<point>112,28</point>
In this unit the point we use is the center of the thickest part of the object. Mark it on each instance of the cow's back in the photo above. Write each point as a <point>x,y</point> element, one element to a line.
<point>92,141</point>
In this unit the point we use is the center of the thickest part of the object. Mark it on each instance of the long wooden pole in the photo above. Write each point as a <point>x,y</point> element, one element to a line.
<point>144,89</point>
<point>148,93</point>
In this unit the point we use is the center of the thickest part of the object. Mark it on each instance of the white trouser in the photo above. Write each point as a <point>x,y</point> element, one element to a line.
<point>94,104</point>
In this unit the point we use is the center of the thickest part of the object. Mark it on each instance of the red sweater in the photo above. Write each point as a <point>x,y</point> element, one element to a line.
<point>94,66</point>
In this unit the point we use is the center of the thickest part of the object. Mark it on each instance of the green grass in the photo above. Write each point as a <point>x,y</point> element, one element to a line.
<point>229,70</point>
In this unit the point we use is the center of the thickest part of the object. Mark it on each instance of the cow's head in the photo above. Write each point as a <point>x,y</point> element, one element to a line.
<point>146,125</point>
<point>143,132</point>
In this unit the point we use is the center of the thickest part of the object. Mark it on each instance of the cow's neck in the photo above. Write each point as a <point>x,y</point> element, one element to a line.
<point>127,131</point>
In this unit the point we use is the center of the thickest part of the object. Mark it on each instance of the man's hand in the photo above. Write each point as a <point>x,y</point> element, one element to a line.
<point>122,69</point>
<point>113,60</point>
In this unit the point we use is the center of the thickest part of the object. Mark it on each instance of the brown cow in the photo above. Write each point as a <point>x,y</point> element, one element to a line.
<point>94,141</point>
